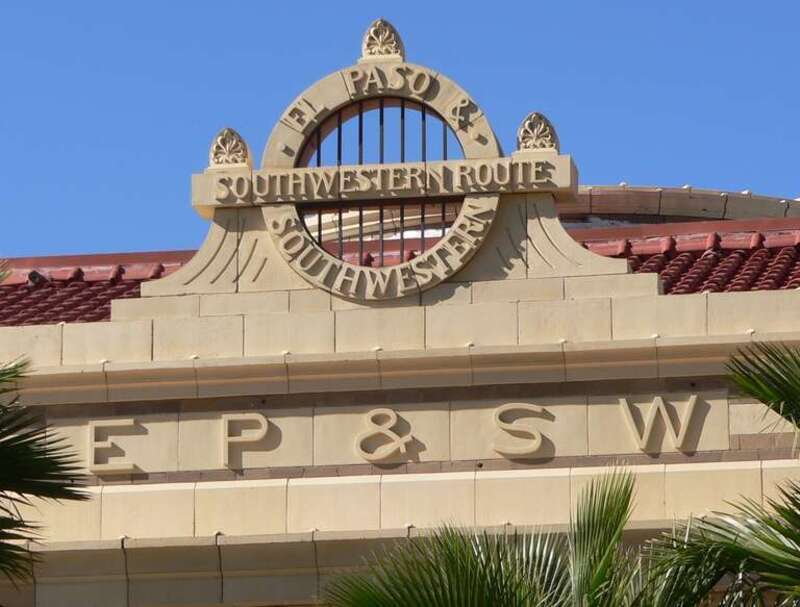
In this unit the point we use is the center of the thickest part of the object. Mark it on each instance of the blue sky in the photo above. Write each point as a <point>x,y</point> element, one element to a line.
<point>108,107</point>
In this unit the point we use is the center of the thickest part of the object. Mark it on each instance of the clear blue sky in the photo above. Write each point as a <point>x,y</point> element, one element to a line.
<point>108,107</point>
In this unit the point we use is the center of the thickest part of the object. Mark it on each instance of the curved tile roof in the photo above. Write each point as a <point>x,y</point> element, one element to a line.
<point>690,257</point>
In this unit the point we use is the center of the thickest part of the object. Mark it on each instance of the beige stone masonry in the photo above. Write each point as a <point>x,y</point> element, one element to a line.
<point>288,440</point>
<point>536,289</point>
<point>64,384</point>
<point>758,311</point>
<point>459,293</point>
<point>340,372</point>
<point>333,504</point>
<point>697,356</point>
<point>696,489</point>
<point>616,427</point>
<point>550,251</point>
<point>241,376</point>
<point>745,206</point>
<point>309,300</point>
<point>467,365</point>
<point>340,431</point>
<point>41,344</point>
<point>147,511</point>
<point>98,342</point>
<point>67,521</point>
<point>295,333</point>
<point>620,359</point>
<point>520,498</point>
<point>776,474</point>
<point>383,328</point>
<point>561,422</point>
<point>244,303</point>
<point>523,364</point>
<point>616,286</point>
<point>155,380</point>
<point>490,324</point>
<point>207,337</point>
<point>748,416</point>
<point>442,367</point>
<point>234,508</point>
<point>647,316</point>
<point>366,504</point>
<point>427,500</point>
<point>690,202</point>
<point>149,443</point>
<point>138,308</point>
<point>549,322</point>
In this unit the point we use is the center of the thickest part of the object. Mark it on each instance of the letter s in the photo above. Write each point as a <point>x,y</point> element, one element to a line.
<point>518,427</point>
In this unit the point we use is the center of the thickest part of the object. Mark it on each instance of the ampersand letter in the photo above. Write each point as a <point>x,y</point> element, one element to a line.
<point>384,429</point>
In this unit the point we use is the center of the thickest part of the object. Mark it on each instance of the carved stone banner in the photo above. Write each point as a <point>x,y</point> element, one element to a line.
<point>531,430</point>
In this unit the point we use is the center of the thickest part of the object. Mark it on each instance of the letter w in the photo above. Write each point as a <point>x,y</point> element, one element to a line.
<point>657,408</point>
<point>324,181</point>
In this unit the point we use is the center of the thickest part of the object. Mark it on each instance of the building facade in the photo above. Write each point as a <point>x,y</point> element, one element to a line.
<point>388,328</point>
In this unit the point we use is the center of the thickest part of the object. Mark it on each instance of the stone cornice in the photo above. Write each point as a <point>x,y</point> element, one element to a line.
<point>683,201</point>
<point>655,357</point>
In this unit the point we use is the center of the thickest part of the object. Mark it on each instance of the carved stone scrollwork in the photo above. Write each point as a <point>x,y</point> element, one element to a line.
<point>382,40</point>
<point>537,133</point>
<point>228,149</point>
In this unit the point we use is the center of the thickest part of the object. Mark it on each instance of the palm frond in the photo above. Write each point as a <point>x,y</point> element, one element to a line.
<point>759,546</point>
<point>15,559</point>
<point>32,464</point>
<point>458,568</point>
<point>770,373</point>
<point>600,572</point>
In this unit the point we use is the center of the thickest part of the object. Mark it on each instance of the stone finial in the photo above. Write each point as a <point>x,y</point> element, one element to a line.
<point>381,41</point>
<point>537,133</point>
<point>228,149</point>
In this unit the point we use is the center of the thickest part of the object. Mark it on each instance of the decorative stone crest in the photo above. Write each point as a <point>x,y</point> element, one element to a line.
<point>381,41</point>
<point>228,149</point>
<point>537,133</point>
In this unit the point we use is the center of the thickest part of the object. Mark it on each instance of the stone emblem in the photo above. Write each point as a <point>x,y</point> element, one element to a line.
<point>381,40</point>
<point>537,133</point>
<point>228,149</point>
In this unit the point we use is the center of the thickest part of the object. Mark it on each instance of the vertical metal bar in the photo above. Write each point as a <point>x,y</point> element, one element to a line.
<point>380,231</point>
<point>422,225</point>
<point>402,231</point>
<point>360,234</point>
<point>424,135</point>
<point>444,140</point>
<point>380,119</point>
<point>402,130</point>
<point>338,138</point>
<point>319,227</point>
<point>444,215</point>
<point>341,236</point>
<point>360,132</point>
<point>319,147</point>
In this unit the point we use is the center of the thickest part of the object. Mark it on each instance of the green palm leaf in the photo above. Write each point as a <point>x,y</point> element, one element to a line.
<point>770,372</point>
<point>32,465</point>
<point>453,567</point>
<point>758,546</point>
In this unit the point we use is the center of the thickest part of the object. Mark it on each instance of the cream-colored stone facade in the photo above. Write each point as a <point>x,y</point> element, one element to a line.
<point>250,427</point>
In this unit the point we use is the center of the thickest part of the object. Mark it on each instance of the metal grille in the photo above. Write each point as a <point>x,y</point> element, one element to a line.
<point>385,130</point>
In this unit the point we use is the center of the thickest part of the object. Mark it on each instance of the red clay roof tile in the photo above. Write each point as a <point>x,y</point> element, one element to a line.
<point>692,257</point>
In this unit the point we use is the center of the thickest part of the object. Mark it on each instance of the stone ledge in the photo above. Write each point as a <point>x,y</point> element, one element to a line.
<point>336,372</point>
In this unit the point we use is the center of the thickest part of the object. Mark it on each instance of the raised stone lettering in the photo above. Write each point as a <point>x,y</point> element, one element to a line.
<point>657,409</point>
<point>244,436</point>
<point>381,421</point>
<point>518,428</point>
<point>118,466</point>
